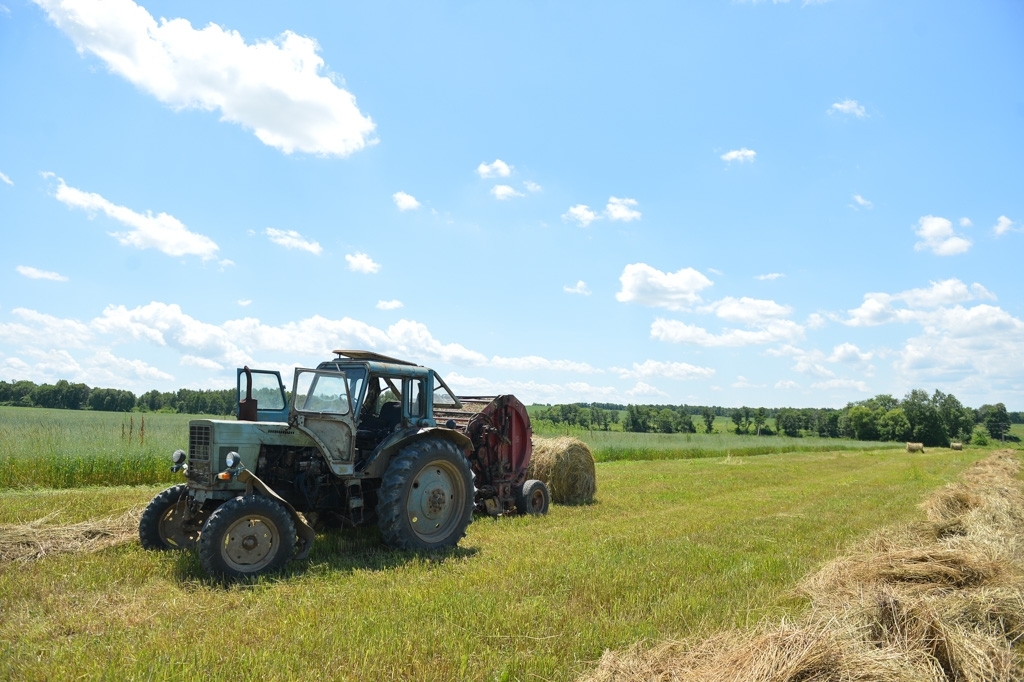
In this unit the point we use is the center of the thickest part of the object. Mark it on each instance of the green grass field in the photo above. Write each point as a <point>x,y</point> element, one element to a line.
<point>670,549</point>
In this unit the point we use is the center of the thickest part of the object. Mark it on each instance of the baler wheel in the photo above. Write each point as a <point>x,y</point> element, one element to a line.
<point>425,501</point>
<point>533,498</point>
<point>247,536</point>
<point>163,524</point>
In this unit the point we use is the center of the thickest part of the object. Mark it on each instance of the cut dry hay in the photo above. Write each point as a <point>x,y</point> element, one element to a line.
<point>939,601</point>
<point>21,542</point>
<point>566,465</point>
<point>915,447</point>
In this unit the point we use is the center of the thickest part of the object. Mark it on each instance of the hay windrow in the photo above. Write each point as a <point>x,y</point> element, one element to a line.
<point>941,600</point>
<point>566,465</point>
<point>20,542</point>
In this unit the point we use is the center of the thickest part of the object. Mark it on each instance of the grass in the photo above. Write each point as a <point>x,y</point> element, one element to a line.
<point>670,549</point>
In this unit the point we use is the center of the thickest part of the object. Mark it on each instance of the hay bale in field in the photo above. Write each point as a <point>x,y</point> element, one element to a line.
<point>566,465</point>
<point>956,446</point>
<point>915,447</point>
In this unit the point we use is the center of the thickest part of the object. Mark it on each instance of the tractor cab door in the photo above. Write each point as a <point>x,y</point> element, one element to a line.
<point>262,388</point>
<point>322,409</point>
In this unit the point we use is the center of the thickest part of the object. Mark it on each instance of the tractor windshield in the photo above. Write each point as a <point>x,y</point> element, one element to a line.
<point>325,393</point>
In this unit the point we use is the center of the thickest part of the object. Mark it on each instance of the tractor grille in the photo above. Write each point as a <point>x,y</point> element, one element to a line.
<point>199,443</point>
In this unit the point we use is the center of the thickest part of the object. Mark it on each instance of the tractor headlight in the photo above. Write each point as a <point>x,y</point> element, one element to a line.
<point>233,460</point>
<point>178,457</point>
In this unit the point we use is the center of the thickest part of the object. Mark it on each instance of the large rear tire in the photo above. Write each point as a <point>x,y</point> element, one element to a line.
<point>247,536</point>
<point>426,497</point>
<point>164,524</point>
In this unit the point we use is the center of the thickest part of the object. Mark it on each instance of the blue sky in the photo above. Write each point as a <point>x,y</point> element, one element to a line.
<point>715,203</point>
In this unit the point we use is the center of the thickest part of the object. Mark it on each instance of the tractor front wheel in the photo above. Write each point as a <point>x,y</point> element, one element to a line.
<point>168,523</point>
<point>247,536</point>
<point>426,497</point>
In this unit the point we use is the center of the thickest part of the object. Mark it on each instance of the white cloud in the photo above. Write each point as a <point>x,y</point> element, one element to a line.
<point>581,214</point>
<point>674,331</point>
<point>162,232</point>
<point>651,287</point>
<point>1004,225</point>
<point>786,384</point>
<point>533,391</point>
<point>844,384</point>
<point>202,363</point>
<point>621,209</point>
<point>244,301</point>
<point>847,352</point>
<point>743,382</point>
<point>966,222</point>
<point>393,304</point>
<point>276,88</point>
<point>815,321</point>
<point>533,363</point>
<point>33,273</point>
<point>405,202</point>
<point>37,329</point>
<point>503,192</point>
<point>805,361</point>
<point>532,186</point>
<point>770,276</point>
<point>848,106</point>
<point>938,237</point>
<point>360,262</point>
<point>580,288</point>
<point>643,390</point>
<point>498,169</point>
<point>743,155</point>
<point>290,239</point>
<point>879,308</point>
<point>862,202</point>
<point>668,370</point>
<point>6,180</point>
<point>717,272</point>
<point>747,310</point>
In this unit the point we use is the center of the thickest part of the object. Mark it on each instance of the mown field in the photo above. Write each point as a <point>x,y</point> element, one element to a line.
<point>671,548</point>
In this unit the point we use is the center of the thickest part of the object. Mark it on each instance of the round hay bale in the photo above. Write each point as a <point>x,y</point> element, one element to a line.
<point>566,465</point>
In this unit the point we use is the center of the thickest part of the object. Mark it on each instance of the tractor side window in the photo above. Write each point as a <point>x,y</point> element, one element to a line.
<point>266,390</point>
<point>417,398</point>
<point>324,393</point>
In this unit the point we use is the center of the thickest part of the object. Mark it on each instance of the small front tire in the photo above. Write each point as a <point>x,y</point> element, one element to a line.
<point>247,536</point>
<point>533,498</point>
<point>167,522</point>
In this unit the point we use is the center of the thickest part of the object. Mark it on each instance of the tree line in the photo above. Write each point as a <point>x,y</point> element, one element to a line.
<point>77,396</point>
<point>934,419</point>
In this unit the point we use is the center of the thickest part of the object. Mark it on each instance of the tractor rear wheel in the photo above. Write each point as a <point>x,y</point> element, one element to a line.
<point>533,498</point>
<point>425,500</point>
<point>164,524</point>
<point>247,536</point>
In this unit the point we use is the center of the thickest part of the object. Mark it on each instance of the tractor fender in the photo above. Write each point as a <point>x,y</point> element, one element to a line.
<point>378,464</point>
<point>306,533</point>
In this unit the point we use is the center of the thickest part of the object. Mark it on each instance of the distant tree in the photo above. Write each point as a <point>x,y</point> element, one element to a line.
<point>864,422</point>
<point>894,425</point>
<point>684,423</point>
<point>737,419</point>
<point>787,421</point>
<point>997,421</point>
<point>709,419</point>
<point>760,417</point>
<point>665,420</point>
<point>925,420</point>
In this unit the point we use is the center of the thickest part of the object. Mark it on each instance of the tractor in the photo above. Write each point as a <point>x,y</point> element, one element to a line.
<point>362,439</point>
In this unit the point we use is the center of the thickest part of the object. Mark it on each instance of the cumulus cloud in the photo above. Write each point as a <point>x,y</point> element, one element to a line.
<point>844,384</point>
<point>393,304</point>
<point>534,391</point>
<point>533,363</point>
<point>743,155</point>
<point>504,192</point>
<point>290,239</point>
<point>675,331</point>
<point>6,180</point>
<point>804,361</point>
<point>497,169</point>
<point>162,232</point>
<point>405,202</point>
<point>862,202</point>
<point>1004,225</point>
<point>244,301</point>
<point>532,186</point>
<point>360,262</point>
<point>276,88</point>
<point>643,389</point>
<point>850,107</point>
<point>580,288</point>
<point>770,276</point>
<point>36,329</point>
<point>649,286</point>
<point>580,214</point>
<point>668,370</point>
<point>786,384</point>
<point>937,236</point>
<point>881,308</point>
<point>202,363</point>
<point>621,209</point>
<point>847,352</point>
<point>747,310</point>
<point>34,273</point>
